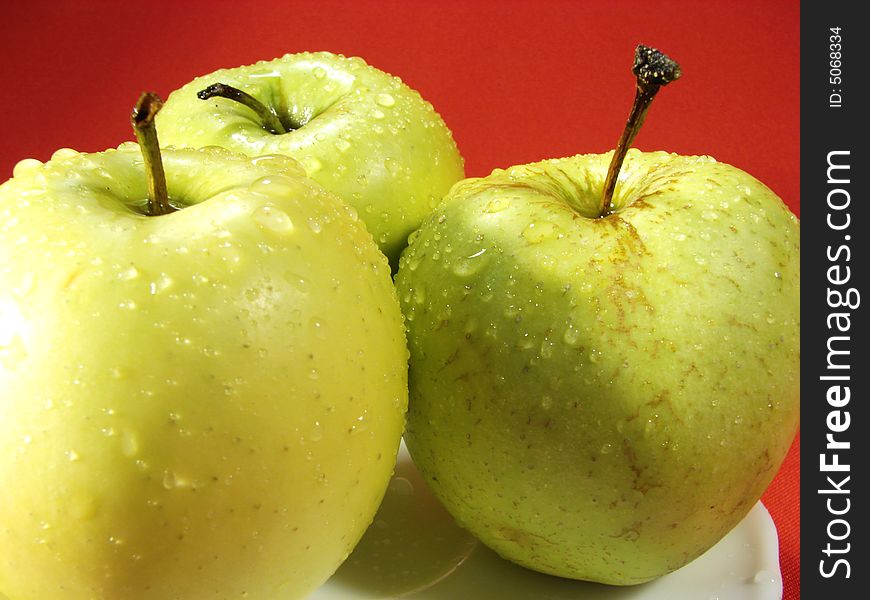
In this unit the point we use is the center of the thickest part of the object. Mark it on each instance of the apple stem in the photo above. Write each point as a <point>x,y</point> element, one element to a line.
<point>146,134</point>
<point>267,114</point>
<point>653,70</point>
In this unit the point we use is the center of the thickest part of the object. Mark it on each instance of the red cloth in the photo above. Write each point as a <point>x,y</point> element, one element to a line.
<point>517,81</point>
<point>783,501</point>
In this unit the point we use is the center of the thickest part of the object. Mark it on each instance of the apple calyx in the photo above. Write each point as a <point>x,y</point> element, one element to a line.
<point>267,114</point>
<point>142,119</point>
<point>653,70</point>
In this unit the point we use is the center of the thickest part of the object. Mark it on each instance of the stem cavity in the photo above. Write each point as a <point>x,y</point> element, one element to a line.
<point>653,70</point>
<point>267,114</point>
<point>146,109</point>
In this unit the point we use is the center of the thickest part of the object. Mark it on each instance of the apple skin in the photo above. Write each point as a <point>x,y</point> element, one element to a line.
<point>603,398</point>
<point>188,407</point>
<point>359,132</point>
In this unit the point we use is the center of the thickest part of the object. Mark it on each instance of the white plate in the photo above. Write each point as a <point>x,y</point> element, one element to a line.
<point>414,550</point>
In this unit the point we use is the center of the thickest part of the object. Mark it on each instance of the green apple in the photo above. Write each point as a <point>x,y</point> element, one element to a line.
<point>359,132</point>
<point>602,390</point>
<point>200,404</point>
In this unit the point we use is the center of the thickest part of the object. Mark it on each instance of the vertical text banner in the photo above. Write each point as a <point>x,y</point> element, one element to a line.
<point>835,263</point>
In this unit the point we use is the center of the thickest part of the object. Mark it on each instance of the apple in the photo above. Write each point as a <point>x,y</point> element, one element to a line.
<point>199,401</point>
<point>359,132</point>
<point>602,387</point>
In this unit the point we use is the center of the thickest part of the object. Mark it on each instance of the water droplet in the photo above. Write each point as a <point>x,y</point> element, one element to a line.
<point>546,402</point>
<point>72,455</point>
<point>631,535</point>
<point>392,165</point>
<point>129,273</point>
<point>377,114</point>
<point>709,215</point>
<point>316,433</point>
<point>129,444</point>
<point>385,100</point>
<point>572,336</point>
<point>172,480</point>
<point>317,325</point>
<point>273,218</point>
<point>401,486</point>
<point>470,265</point>
<point>538,232</point>
<point>274,185</point>
<point>319,72</point>
<point>342,144</point>
<point>594,355</point>
<point>764,577</point>
<point>63,153</point>
<point>606,448</point>
<point>127,305</point>
<point>25,166</point>
<point>161,284</point>
<point>311,164</point>
<point>315,225</point>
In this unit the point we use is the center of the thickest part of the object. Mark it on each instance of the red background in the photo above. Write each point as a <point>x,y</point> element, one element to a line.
<point>517,81</point>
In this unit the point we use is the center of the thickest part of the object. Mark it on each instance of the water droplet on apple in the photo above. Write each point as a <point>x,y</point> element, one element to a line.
<point>342,144</point>
<point>467,267</point>
<point>129,273</point>
<point>594,355</point>
<point>316,433</point>
<point>72,455</point>
<point>606,448</point>
<point>313,374</point>
<point>709,215</point>
<point>62,153</point>
<point>546,402</point>
<point>25,166</point>
<point>392,166</point>
<point>169,480</point>
<point>319,72</point>
<point>127,304</point>
<point>385,100</point>
<point>159,285</point>
<point>631,535</point>
<point>537,232</point>
<point>572,336</point>
<point>129,444</point>
<point>317,325</point>
<point>315,225</point>
<point>546,349</point>
<point>377,114</point>
<point>273,218</point>
<point>311,164</point>
<point>273,184</point>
